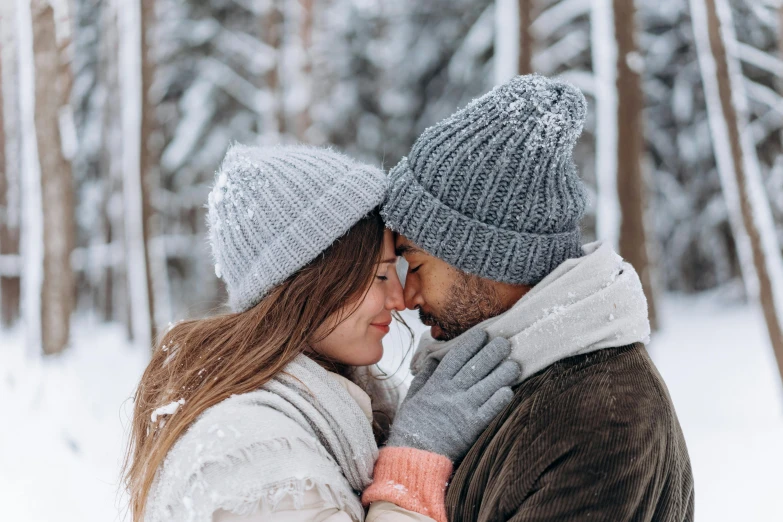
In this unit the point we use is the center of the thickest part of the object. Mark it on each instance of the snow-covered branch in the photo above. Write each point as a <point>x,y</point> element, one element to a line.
<point>559,15</point>
<point>569,46</point>
<point>236,86</point>
<point>757,57</point>
<point>763,94</point>
<point>476,42</point>
<point>583,80</point>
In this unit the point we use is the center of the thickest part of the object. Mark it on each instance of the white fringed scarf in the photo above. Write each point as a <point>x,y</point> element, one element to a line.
<point>302,430</point>
<point>586,304</point>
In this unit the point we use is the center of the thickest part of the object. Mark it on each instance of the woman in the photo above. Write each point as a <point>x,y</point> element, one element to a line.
<point>264,413</point>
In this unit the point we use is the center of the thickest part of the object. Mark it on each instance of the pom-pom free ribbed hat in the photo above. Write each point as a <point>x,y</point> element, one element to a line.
<point>272,210</point>
<point>493,189</point>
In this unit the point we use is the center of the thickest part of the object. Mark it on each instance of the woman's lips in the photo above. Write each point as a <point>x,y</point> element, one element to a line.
<point>384,327</point>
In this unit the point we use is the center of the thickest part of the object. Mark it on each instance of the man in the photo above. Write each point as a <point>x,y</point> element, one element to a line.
<point>487,209</point>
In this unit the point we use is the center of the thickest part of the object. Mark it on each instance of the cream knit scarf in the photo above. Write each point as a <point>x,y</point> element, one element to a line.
<point>302,430</point>
<point>586,304</point>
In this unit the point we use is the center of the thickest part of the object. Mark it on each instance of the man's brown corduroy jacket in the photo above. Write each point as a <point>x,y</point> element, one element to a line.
<point>591,438</point>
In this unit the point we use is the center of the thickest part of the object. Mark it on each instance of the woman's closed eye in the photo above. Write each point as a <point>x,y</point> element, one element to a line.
<point>414,270</point>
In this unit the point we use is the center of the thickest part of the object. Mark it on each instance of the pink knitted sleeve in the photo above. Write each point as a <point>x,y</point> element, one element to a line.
<point>411,478</point>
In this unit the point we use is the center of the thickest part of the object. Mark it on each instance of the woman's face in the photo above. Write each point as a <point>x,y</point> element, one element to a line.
<point>356,341</point>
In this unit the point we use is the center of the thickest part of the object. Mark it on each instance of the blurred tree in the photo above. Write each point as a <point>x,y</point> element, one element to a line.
<point>130,18</point>
<point>513,38</point>
<point>368,78</point>
<point>737,159</point>
<point>9,179</point>
<point>525,37</point>
<point>149,170</point>
<point>508,39</point>
<point>52,85</point>
<point>5,241</point>
<point>95,116</point>
<point>303,118</point>
<point>272,20</point>
<point>631,186</point>
<point>621,200</point>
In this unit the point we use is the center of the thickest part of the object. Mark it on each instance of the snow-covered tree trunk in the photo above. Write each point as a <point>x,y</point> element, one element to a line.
<point>737,160</point>
<point>631,189</point>
<point>62,23</point>
<point>604,56</point>
<point>57,289</point>
<point>513,39</point>
<point>157,276</point>
<point>129,18</point>
<point>780,33</point>
<point>9,179</point>
<point>303,119</point>
<point>272,24</point>
<point>779,161</point>
<point>31,243</point>
<point>112,278</point>
<point>507,26</point>
<point>620,205</point>
<point>715,71</point>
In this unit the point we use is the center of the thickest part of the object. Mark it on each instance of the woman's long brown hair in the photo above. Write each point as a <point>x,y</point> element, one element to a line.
<point>205,361</point>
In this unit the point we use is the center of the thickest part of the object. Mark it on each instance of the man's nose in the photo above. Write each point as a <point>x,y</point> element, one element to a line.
<point>411,293</point>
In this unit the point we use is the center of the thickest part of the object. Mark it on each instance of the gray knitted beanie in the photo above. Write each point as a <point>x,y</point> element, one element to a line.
<point>493,189</point>
<point>272,210</point>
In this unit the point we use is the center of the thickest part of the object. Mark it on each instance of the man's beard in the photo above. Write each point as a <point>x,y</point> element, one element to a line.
<point>470,300</point>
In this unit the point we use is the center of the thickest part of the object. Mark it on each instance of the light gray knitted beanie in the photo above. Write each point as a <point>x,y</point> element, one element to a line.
<point>272,210</point>
<point>493,189</point>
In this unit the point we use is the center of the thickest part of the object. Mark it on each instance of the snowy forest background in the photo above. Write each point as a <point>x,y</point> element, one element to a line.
<point>116,113</point>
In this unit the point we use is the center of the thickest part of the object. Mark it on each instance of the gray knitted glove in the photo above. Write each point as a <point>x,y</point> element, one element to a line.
<point>451,403</point>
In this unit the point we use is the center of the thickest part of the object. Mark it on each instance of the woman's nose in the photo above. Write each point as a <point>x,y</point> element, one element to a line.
<point>395,300</point>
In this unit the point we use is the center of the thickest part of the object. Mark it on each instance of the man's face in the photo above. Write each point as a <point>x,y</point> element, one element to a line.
<point>448,300</point>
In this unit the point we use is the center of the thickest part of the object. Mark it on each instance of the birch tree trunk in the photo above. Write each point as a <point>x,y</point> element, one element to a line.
<point>507,40</point>
<point>630,146</point>
<point>57,289</point>
<point>604,56</point>
<point>157,276</point>
<point>737,158</point>
<point>131,68</point>
<point>619,138</point>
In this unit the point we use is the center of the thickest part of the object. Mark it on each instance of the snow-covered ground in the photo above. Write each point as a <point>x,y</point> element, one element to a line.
<point>64,419</point>
<point>717,361</point>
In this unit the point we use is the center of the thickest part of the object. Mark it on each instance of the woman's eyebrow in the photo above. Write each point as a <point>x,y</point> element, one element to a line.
<point>391,260</point>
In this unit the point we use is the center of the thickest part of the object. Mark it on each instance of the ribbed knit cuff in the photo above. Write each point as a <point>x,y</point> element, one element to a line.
<point>475,247</point>
<point>412,479</point>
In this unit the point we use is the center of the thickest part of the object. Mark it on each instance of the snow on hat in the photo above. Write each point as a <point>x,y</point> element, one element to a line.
<point>272,210</point>
<point>493,189</point>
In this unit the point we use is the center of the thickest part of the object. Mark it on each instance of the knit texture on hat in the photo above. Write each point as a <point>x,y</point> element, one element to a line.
<point>493,189</point>
<point>272,210</point>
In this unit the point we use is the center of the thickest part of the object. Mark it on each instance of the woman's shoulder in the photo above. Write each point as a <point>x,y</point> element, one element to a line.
<point>243,420</point>
<point>240,426</point>
<point>240,452</point>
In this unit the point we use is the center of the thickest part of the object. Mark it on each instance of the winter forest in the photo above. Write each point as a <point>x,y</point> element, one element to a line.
<point>115,115</point>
